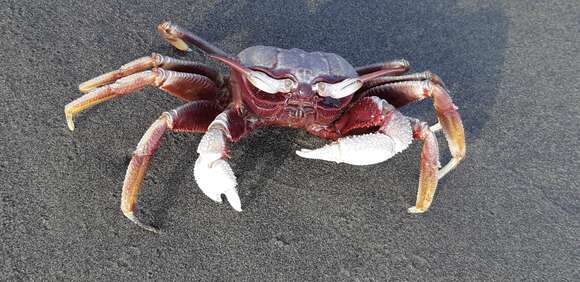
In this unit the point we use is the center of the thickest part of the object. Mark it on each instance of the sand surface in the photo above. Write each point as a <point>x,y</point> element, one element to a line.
<point>510,211</point>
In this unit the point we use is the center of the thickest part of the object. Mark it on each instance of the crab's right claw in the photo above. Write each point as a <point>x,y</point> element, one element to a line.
<point>213,175</point>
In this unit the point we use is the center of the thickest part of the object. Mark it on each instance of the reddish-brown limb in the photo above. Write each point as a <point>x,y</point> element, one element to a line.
<point>429,165</point>
<point>186,86</point>
<point>397,67</point>
<point>426,75</point>
<point>452,126</point>
<point>401,93</point>
<point>395,90</point>
<point>179,37</point>
<point>192,117</point>
<point>153,61</point>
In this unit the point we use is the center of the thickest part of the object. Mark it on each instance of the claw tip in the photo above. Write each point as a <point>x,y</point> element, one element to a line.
<point>234,199</point>
<point>236,204</point>
<point>302,152</point>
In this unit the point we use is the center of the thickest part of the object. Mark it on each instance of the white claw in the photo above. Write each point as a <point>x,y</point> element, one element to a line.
<point>330,152</point>
<point>215,178</point>
<point>234,199</point>
<point>358,150</point>
<point>213,175</point>
<point>212,144</point>
<point>368,148</point>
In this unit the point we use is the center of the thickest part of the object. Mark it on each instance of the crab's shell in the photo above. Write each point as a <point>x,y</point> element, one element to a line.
<point>304,66</point>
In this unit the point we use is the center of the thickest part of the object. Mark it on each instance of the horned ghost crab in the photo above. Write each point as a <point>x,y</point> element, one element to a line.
<point>355,108</point>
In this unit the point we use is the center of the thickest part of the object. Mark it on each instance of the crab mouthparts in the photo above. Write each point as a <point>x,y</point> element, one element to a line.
<point>299,111</point>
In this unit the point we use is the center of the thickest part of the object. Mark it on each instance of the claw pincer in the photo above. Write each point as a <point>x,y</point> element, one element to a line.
<point>366,149</point>
<point>213,175</point>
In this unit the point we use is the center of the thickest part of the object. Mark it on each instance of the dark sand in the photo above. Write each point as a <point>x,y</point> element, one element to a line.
<point>510,211</point>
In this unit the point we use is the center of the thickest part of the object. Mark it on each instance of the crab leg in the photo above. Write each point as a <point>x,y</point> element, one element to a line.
<point>187,86</point>
<point>398,67</point>
<point>191,117</point>
<point>428,167</point>
<point>426,75</point>
<point>153,61</point>
<point>401,93</point>
<point>179,37</point>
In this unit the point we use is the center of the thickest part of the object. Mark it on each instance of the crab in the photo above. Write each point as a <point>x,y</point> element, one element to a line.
<point>356,109</point>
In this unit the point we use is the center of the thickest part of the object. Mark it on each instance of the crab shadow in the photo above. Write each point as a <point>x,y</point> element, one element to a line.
<point>258,160</point>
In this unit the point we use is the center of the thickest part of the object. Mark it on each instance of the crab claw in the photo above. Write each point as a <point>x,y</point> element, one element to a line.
<point>217,178</point>
<point>359,150</point>
<point>213,175</point>
<point>394,136</point>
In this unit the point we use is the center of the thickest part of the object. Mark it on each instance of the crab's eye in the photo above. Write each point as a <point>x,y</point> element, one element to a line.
<point>268,84</point>
<point>338,90</point>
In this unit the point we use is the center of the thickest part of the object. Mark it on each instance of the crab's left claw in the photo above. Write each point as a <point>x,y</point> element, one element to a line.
<point>368,148</point>
<point>358,150</point>
<point>213,175</point>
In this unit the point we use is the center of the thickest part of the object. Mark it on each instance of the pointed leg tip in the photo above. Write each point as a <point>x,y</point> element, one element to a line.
<point>85,87</point>
<point>131,216</point>
<point>447,168</point>
<point>436,127</point>
<point>168,30</point>
<point>70,122</point>
<point>69,113</point>
<point>164,26</point>
<point>150,228</point>
<point>180,45</point>
<point>416,210</point>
